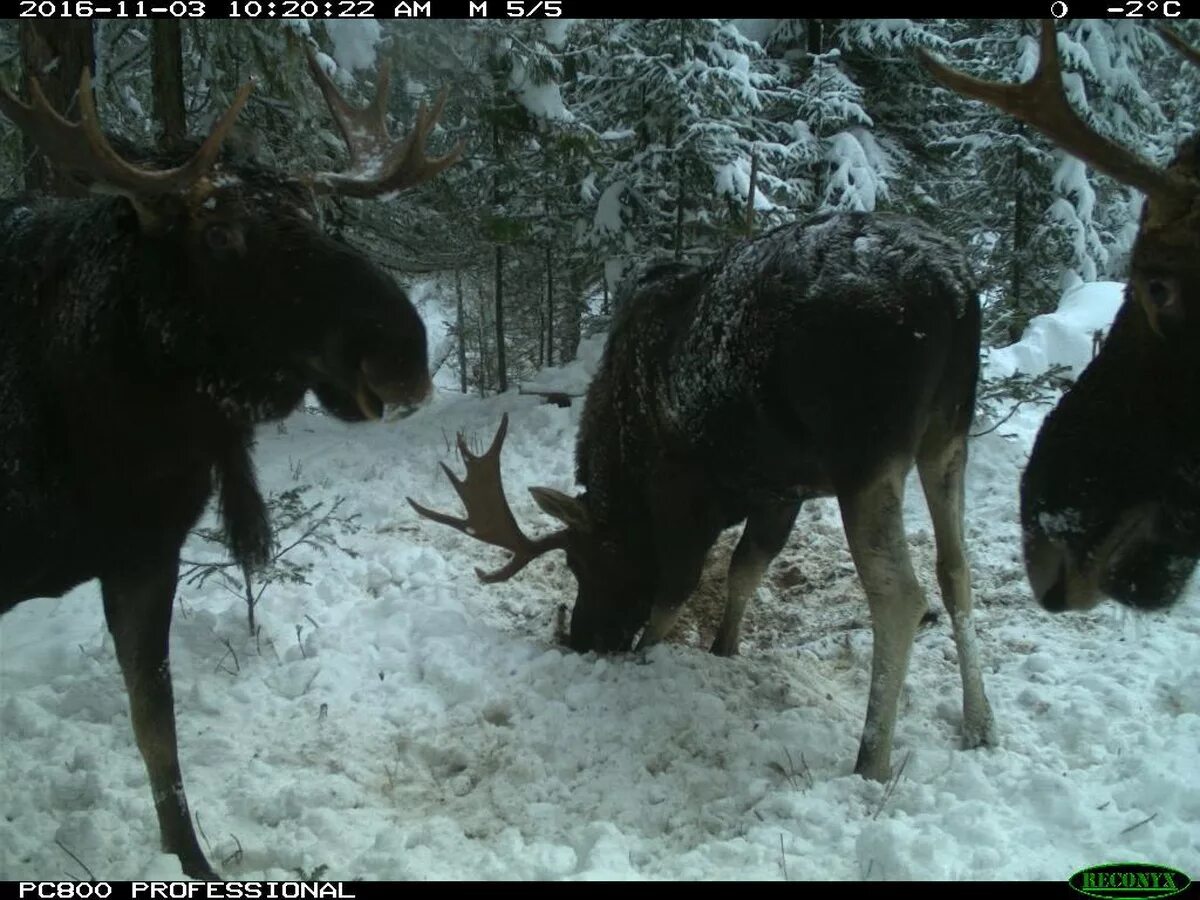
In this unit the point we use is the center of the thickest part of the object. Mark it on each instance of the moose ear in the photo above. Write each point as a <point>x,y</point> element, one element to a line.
<point>567,510</point>
<point>153,214</point>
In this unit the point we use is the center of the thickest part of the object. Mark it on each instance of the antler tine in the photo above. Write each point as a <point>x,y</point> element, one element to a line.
<point>439,517</point>
<point>514,565</point>
<point>352,122</point>
<point>489,517</point>
<point>82,147</point>
<point>203,159</point>
<point>378,164</point>
<point>1190,53</point>
<point>493,451</point>
<point>1042,103</point>
<point>57,137</point>
<point>410,161</point>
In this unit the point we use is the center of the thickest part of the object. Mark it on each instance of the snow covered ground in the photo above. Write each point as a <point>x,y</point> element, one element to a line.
<point>396,719</point>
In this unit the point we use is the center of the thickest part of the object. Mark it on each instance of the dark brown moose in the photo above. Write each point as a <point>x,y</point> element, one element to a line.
<point>144,334</point>
<point>823,358</point>
<point>1110,499</point>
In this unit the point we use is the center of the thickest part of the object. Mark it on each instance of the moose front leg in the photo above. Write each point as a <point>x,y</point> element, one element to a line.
<point>668,603</point>
<point>765,534</point>
<point>680,561</point>
<point>138,610</point>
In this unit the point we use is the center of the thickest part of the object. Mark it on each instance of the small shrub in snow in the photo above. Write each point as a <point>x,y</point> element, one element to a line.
<point>296,523</point>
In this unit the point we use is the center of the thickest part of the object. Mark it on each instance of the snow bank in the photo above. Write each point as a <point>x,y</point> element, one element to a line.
<point>1063,337</point>
<point>573,377</point>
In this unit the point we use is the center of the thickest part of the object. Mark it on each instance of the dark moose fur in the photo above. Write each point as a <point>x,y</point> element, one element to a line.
<point>825,357</point>
<point>1110,500</point>
<point>794,367</point>
<point>139,347</point>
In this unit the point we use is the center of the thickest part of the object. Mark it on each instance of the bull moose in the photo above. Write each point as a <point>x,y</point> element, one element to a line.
<point>145,333</point>
<point>822,358</point>
<point>1110,498</point>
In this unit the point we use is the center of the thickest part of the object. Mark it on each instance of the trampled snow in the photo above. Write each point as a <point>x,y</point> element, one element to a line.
<point>398,719</point>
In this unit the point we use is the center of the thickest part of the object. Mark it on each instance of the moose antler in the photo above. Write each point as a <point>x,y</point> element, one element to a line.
<point>82,147</point>
<point>489,517</point>
<point>1042,103</point>
<point>378,164</point>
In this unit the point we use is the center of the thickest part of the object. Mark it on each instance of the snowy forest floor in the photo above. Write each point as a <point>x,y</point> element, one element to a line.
<point>396,719</point>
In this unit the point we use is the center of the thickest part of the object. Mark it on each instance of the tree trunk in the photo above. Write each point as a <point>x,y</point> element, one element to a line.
<point>461,330</point>
<point>549,306</point>
<point>485,363</point>
<point>679,216</point>
<point>751,192</point>
<point>570,321</point>
<point>539,360</point>
<point>166,67</point>
<point>501,358</point>
<point>1016,282</point>
<point>56,53</point>
<point>814,36</point>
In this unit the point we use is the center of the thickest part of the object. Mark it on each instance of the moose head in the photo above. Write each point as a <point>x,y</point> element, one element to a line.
<point>614,589</point>
<point>235,280</point>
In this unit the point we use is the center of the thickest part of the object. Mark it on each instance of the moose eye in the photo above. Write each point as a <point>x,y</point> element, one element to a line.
<point>1158,292</point>
<point>220,237</point>
<point>1161,299</point>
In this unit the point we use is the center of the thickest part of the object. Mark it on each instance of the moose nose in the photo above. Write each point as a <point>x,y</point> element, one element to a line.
<point>404,410</point>
<point>406,389</point>
<point>587,636</point>
<point>1055,599</point>
<point>1059,582</point>
<point>1046,566</point>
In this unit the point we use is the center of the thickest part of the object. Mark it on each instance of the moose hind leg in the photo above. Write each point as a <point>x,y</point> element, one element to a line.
<point>138,611</point>
<point>765,534</point>
<point>873,517</point>
<point>942,468</point>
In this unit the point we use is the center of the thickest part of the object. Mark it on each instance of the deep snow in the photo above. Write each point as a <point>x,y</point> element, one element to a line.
<point>398,719</point>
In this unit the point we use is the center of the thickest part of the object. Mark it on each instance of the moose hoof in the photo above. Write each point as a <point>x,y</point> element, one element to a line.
<point>872,765</point>
<point>725,647</point>
<point>874,772</point>
<point>199,869</point>
<point>981,733</point>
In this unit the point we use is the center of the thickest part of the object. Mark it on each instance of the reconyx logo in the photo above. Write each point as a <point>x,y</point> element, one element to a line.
<point>1126,881</point>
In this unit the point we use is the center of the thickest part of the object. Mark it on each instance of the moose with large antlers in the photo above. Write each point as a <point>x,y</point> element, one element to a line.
<point>823,358</point>
<point>1110,499</point>
<point>144,334</point>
